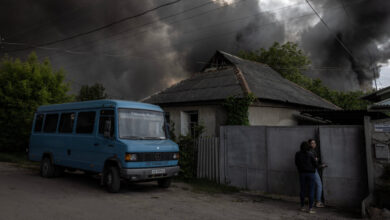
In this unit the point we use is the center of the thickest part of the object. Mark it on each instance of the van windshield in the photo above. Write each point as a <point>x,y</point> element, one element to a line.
<point>141,124</point>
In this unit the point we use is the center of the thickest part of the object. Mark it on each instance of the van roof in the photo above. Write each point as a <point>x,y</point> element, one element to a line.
<point>98,104</point>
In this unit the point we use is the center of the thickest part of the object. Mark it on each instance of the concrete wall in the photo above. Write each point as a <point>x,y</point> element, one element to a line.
<point>262,158</point>
<point>272,116</point>
<point>345,178</point>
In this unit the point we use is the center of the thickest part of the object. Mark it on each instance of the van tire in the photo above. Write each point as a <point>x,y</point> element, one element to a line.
<point>164,183</point>
<point>47,168</point>
<point>112,179</point>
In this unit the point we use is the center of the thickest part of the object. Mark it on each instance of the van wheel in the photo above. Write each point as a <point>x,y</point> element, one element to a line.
<point>112,179</point>
<point>47,168</point>
<point>164,183</point>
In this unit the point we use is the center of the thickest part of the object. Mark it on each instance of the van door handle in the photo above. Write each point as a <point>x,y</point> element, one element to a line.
<point>96,144</point>
<point>111,145</point>
<point>68,152</point>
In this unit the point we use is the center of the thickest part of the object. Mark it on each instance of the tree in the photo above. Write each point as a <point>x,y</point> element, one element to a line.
<point>94,92</point>
<point>23,87</point>
<point>289,61</point>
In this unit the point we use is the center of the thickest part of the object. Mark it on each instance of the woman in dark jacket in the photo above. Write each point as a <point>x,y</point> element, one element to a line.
<point>306,164</point>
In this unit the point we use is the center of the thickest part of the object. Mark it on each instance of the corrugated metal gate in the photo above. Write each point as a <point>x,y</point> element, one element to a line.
<point>262,158</point>
<point>208,158</point>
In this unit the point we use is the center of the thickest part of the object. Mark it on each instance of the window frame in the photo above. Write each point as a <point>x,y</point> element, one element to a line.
<point>94,122</point>
<point>114,121</point>
<point>44,123</point>
<point>74,122</point>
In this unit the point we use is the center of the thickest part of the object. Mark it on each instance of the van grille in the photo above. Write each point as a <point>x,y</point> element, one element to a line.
<point>154,156</point>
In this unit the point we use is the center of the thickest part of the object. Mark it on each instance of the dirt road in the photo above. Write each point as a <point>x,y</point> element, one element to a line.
<point>25,195</point>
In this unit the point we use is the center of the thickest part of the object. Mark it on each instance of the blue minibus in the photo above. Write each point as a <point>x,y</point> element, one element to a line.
<point>120,140</point>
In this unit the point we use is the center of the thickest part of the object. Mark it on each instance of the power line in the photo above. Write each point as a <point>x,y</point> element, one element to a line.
<point>45,22</point>
<point>74,52</point>
<point>234,31</point>
<point>327,27</point>
<point>104,26</point>
<point>163,18</point>
<point>148,58</point>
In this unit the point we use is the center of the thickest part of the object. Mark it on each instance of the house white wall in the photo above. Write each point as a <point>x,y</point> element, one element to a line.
<point>272,116</point>
<point>210,116</point>
<point>213,116</point>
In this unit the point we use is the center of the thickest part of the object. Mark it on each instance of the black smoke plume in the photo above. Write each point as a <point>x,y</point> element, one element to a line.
<point>144,55</point>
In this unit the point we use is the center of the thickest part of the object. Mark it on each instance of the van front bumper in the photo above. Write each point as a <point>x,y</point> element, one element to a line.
<point>140,174</point>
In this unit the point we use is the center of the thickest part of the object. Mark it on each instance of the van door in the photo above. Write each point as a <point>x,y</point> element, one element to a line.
<point>105,137</point>
<point>83,141</point>
<point>65,138</point>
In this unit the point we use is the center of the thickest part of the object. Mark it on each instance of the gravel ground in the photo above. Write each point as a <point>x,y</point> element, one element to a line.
<point>26,195</point>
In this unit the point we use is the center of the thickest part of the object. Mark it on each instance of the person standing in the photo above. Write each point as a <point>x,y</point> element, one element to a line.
<point>317,179</point>
<point>306,165</point>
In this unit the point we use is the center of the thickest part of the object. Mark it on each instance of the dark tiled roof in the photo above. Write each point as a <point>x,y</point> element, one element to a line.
<point>262,80</point>
<point>266,83</point>
<point>201,87</point>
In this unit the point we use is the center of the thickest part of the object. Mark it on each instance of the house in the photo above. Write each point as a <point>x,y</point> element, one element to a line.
<point>379,95</point>
<point>380,100</point>
<point>199,99</point>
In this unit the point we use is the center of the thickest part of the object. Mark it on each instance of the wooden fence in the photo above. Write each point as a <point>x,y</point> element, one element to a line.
<point>208,158</point>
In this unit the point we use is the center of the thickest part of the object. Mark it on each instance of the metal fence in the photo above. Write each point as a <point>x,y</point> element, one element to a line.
<point>208,158</point>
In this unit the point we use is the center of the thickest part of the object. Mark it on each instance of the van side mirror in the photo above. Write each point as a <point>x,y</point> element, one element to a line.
<point>107,129</point>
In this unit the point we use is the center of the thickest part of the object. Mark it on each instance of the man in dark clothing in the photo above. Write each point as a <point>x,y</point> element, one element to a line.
<point>306,164</point>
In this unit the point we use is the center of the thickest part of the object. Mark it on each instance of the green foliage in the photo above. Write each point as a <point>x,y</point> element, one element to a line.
<point>93,92</point>
<point>237,109</point>
<point>19,159</point>
<point>286,59</point>
<point>188,153</point>
<point>23,87</point>
<point>289,61</point>
<point>171,131</point>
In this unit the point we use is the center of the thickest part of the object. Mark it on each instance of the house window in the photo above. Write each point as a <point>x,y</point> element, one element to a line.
<point>167,117</point>
<point>189,121</point>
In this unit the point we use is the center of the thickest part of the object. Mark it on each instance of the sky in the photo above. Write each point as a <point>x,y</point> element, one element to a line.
<point>148,52</point>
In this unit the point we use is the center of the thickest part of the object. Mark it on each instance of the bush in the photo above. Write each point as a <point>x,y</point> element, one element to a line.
<point>188,153</point>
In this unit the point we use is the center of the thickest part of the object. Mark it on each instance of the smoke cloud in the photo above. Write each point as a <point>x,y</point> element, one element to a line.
<point>141,56</point>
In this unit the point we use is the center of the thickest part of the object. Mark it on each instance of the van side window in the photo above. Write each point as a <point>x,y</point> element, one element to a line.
<point>66,122</point>
<point>38,123</point>
<point>51,123</point>
<point>106,115</point>
<point>85,122</point>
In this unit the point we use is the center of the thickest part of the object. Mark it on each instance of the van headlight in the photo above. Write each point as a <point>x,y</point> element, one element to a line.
<point>176,156</point>
<point>131,157</point>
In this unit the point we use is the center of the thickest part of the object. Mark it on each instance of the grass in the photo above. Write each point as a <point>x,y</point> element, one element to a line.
<point>208,186</point>
<point>18,159</point>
